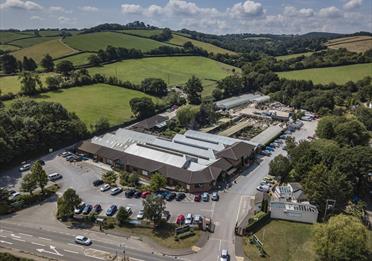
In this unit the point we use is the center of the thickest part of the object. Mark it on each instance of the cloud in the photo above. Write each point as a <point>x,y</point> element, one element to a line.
<point>88,8</point>
<point>36,18</point>
<point>66,20</point>
<point>292,11</point>
<point>131,9</point>
<point>20,4</point>
<point>154,10</point>
<point>352,4</point>
<point>56,9</point>
<point>248,8</point>
<point>330,12</point>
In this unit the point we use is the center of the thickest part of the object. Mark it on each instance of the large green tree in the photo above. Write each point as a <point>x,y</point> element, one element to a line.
<point>47,63</point>
<point>9,63</point>
<point>157,182</point>
<point>342,238</point>
<point>65,67</point>
<point>186,116</point>
<point>28,64</point>
<point>153,208</point>
<point>142,107</point>
<point>40,175</point>
<point>28,183</point>
<point>193,90</point>
<point>110,177</point>
<point>122,216</point>
<point>29,83</point>
<point>67,203</point>
<point>364,115</point>
<point>154,86</point>
<point>352,133</point>
<point>280,166</point>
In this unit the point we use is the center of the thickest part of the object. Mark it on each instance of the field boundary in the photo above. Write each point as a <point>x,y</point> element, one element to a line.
<point>352,41</point>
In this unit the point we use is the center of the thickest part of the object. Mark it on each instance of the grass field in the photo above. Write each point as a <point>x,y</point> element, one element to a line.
<point>290,56</point>
<point>173,70</point>
<point>8,47</point>
<point>6,37</point>
<point>353,44</point>
<point>28,42</point>
<point>283,241</point>
<point>95,101</point>
<point>54,47</point>
<point>77,59</point>
<point>143,32</point>
<point>339,74</point>
<point>12,84</point>
<point>94,41</point>
<point>180,40</point>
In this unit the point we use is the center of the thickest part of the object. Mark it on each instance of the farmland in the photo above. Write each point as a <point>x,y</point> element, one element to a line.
<point>11,84</point>
<point>100,100</point>
<point>180,40</point>
<point>8,47</point>
<point>94,41</point>
<point>143,32</point>
<point>77,59</point>
<point>173,70</point>
<point>6,37</point>
<point>353,44</point>
<point>27,42</point>
<point>54,47</point>
<point>290,56</point>
<point>339,74</point>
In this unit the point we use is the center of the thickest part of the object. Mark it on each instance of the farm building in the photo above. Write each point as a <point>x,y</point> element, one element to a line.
<point>195,160</point>
<point>155,122</point>
<point>241,100</point>
<point>299,212</point>
<point>265,137</point>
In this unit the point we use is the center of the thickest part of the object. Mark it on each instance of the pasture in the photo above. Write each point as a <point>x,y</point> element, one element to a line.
<point>11,84</point>
<point>54,47</point>
<point>8,47</point>
<point>339,74</point>
<point>28,42</point>
<point>92,42</point>
<point>180,40</point>
<point>173,70</point>
<point>142,32</point>
<point>95,101</point>
<point>6,37</point>
<point>291,56</point>
<point>77,59</point>
<point>352,44</point>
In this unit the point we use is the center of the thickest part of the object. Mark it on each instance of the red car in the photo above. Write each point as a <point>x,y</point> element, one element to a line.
<point>145,194</point>
<point>197,198</point>
<point>180,219</point>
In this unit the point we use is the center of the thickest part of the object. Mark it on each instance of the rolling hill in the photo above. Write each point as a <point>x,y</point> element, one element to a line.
<point>77,59</point>
<point>7,37</point>
<point>353,43</point>
<point>28,42</point>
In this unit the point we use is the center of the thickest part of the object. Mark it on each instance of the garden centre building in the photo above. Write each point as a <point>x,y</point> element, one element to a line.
<point>194,160</point>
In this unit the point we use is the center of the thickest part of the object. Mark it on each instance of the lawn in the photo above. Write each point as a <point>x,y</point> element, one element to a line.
<point>283,241</point>
<point>339,74</point>
<point>8,47</point>
<point>53,47</point>
<point>180,40</point>
<point>143,32</point>
<point>290,56</point>
<point>77,59</point>
<point>94,41</point>
<point>174,70</point>
<point>12,84</point>
<point>95,101</point>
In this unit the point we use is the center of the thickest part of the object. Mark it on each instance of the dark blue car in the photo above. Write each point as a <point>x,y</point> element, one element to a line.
<point>111,210</point>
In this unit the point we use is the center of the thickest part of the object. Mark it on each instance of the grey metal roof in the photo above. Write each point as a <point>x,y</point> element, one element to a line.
<point>267,135</point>
<point>213,138</point>
<point>240,100</point>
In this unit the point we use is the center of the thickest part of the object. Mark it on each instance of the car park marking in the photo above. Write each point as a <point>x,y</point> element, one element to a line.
<point>71,244</point>
<point>44,238</point>
<point>70,251</point>
<point>12,235</point>
<point>6,242</point>
<point>18,239</point>
<point>37,244</point>
<point>95,253</point>
<point>27,235</point>
<point>3,236</point>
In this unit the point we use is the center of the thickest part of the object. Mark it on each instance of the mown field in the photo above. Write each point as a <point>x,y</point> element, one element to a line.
<point>142,32</point>
<point>77,59</point>
<point>94,41</point>
<point>95,101</point>
<point>54,47</point>
<point>28,42</point>
<point>339,74</point>
<point>8,47</point>
<point>11,84</point>
<point>353,44</point>
<point>180,40</point>
<point>173,70</point>
<point>290,56</point>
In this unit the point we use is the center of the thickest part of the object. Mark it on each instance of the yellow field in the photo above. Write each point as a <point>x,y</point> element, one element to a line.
<point>353,44</point>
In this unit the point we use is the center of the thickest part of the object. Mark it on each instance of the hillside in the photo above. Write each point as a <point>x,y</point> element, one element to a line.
<point>12,84</point>
<point>353,43</point>
<point>77,59</point>
<point>291,56</point>
<point>6,37</point>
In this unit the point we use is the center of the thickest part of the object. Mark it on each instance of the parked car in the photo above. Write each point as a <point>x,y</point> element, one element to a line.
<point>180,196</point>
<point>111,210</point>
<point>14,195</point>
<point>224,255</point>
<point>97,208</point>
<point>83,240</point>
<point>54,176</point>
<point>115,191</point>
<point>215,196</point>
<point>25,167</point>
<point>197,198</point>
<point>65,154</point>
<point>263,188</point>
<point>105,187</point>
<point>198,219</point>
<point>141,214</point>
<point>265,153</point>
<point>129,210</point>
<point>145,194</point>
<point>87,209</point>
<point>205,197</point>
<point>129,193</point>
<point>165,215</point>
<point>137,194</point>
<point>268,148</point>
<point>171,196</point>
<point>97,182</point>
<point>180,219</point>
<point>79,208</point>
<point>188,219</point>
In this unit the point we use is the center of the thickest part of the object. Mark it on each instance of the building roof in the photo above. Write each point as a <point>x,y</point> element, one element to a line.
<point>89,147</point>
<point>236,101</point>
<point>267,135</point>
<point>149,123</point>
<point>197,143</point>
<point>236,151</point>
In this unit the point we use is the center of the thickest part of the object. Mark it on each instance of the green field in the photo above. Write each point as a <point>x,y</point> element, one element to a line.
<point>339,74</point>
<point>6,37</point>
<point>173,70</point>
<point>95,101</point>
<point>54,47</point>
<point>11,84</point>
<point>8,47</point>
<point>77,59</point>
<point>290,56</point>
<point>94,41</point>
<point>28,42</point>
<point>143,32</point>
<point>180,40</point>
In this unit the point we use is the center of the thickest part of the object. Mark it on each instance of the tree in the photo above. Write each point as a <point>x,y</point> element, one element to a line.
<point>158,181</point>
<point>217,94</point>
<point>364,115</point>
<point>109,177</point>
<point>39,175</point>
<point>67,203</point>
<point>9,64</point>
<point>47,63</point>
<point>65,68</point>
<point>186,116</point>
<point>154,86</point>
<point>352,133</point>
<point>29,64</point>
<point>122,216</point>
<point>153,208</point>
<point>342,238</point>
<point>207,114</point>
<point>4,201</point>
<point>54,82</point>
<point>193,90</point>
<point>133,179</point>
<point>94,60</point>
<point>29,82</point>
<point>28,183</point>
<point>280,167</point>
<point>231,85</point>
<point>142,107</point>
<point>101,124</point>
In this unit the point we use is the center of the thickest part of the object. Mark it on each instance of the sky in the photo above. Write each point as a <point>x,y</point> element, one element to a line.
<point>208,16</point>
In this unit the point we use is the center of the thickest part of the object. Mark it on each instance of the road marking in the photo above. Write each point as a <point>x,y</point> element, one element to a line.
<point>12,235</point>
<point>27,235</point>
<point>44,238</point>
<point>70,251</point>
<point>136,259</point>
<point>6,242</point>
<point>95,253</point>
<point>18,239</point>
<point>55,252</point>
<point>37,244</point>
<point>240,203</point>
<point>75,245</point>
<point>2,236</point>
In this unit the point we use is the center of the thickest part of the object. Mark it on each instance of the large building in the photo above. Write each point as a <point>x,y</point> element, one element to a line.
<point>194,160</point>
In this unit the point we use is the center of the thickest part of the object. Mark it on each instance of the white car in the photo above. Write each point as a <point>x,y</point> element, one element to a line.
<point>198,219</point>
<point>14,195</point>
<point>263,188</point>
<point>83,240</point>
<point>105,187</point>
<point>129,210</point>
<point>188,219</point>
<point>25,167</point>
<point>224,255</point>
<point>141,214</point>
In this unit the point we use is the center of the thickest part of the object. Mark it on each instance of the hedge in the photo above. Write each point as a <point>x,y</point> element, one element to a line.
<point>258,220</point>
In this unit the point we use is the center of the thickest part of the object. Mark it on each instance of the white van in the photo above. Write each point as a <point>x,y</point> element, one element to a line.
<point>54,176</point>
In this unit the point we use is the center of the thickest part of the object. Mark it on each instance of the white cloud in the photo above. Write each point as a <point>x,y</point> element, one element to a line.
<point>292,11</point>
<point>56,9</point>
<point>66,20</point>
<point>20,4</point>
<point>248,8</point>
<point>330,12</point>
<point>36,18</point>
<point>352,4</point>
<point>88,8</point>
<point>131,9</point>
<point>154,10</point>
